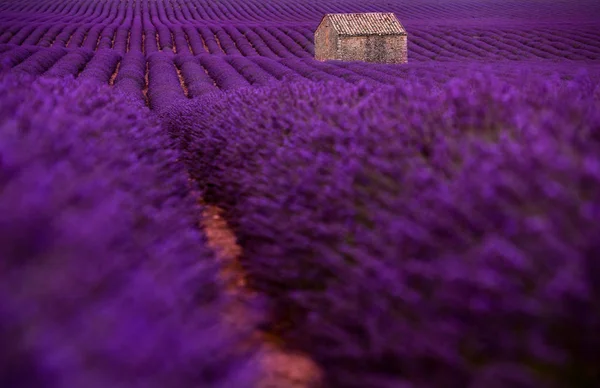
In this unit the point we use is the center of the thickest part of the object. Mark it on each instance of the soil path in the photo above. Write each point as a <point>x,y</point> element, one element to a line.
<point>281,368</point>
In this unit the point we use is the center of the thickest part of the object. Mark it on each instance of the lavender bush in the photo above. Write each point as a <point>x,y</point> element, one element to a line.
<point>417,235</point>
<point>105,279</point>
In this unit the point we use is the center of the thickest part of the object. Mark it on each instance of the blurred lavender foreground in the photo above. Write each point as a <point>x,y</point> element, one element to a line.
<point>419,235</point>
<point>105,280</point>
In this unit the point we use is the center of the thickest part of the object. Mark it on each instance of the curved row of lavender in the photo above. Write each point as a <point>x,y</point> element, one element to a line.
<point>105,279</point>
<point>418,235</point>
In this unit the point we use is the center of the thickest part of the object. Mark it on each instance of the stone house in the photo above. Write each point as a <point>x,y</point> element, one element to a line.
<point>369,37</point>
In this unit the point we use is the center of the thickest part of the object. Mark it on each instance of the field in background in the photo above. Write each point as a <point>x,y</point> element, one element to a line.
<point>161,51</point>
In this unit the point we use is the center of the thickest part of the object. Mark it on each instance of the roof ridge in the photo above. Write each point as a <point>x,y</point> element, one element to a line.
<point>366,23</point>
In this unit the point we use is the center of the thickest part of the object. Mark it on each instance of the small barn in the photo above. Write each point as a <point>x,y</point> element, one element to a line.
<point>369,37</point>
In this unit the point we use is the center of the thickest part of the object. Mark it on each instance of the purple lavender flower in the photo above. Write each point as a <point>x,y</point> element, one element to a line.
<point>106,279</point>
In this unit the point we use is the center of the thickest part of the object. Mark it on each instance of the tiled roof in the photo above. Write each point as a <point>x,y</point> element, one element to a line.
<point>355,24</point>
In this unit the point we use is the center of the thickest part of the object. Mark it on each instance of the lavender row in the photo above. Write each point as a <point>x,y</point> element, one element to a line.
<point>14,56</point>
<point>40,62</point>
<point>448,227</point>
<point>131,78</point>
<point>72,64</point>
<point>72,12</point>
<point>171,13</point>
<point>224,75</point>
<point>197,79</point>
<point>164,88</point>
<point>101,66</point>
<point>101,255</point>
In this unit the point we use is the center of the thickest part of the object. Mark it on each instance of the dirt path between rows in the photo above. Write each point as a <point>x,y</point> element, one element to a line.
<point>281,369</point>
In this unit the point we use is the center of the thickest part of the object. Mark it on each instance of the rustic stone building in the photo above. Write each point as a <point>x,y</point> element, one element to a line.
<point>369,37</point>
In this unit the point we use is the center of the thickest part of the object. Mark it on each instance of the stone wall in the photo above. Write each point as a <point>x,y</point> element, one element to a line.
<point>372,48</point>
<point>325,42</point>
<point>367,48</point>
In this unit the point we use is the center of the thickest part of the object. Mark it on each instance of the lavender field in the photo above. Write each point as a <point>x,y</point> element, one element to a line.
<point>189,199</point>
